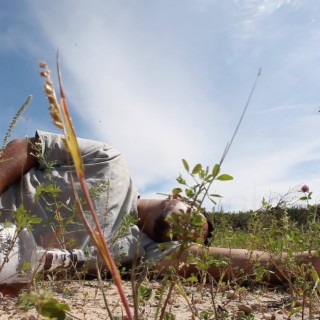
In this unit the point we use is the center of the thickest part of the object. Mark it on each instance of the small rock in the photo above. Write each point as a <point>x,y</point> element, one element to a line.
<point>155,285</point>
<point>240,315</point>
<point>283,312</point>
<point>258,307</point>
<point>222,309</point>
<point>255,306</point>
<point>246,309</point>
<point>231,295</point>
<point>268,316</point>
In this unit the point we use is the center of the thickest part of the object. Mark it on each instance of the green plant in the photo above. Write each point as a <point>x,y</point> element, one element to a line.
<point>45,305</point>
<point>14,122</point>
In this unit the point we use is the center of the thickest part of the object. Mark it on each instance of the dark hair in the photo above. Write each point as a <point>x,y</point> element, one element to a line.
<point>161,226</point>
<point>210,228</point>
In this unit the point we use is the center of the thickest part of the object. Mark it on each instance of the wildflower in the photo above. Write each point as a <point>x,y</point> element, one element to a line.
<point>305,188</point>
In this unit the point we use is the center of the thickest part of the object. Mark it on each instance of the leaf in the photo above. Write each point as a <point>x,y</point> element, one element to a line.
<point>189,193</point>
<point>176,191</point>
<point>215,170</point>
<point>209,178</point>
<point>198,220</point>
<point>202,174</point>
<point>192,278</point>
<point>215,195</point>
<point>181,180</point>
<point>207,171</point>
<point>316,279</point>
<point>27,301</point>
<point>185,164</point>
<point>144,292</point>
<point>54,309</point>
<point>24,219</point>
<point>34,220</point>
<point>197,168</point>
<point>26,266</point>
<point>214,202</point>
<point>224,177</point>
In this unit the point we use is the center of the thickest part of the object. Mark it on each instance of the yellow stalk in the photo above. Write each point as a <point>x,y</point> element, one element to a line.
<point>61,118</point>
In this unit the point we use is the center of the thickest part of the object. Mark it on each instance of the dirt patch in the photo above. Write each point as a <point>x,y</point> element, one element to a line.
<point>86,301</point>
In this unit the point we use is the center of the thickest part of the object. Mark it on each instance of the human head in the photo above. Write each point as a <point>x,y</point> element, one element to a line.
<point>171,207</point>
<point>159,217</point>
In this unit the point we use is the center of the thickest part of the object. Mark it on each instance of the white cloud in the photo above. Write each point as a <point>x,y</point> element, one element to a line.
<point>165,81</point>
<point>8,41</point>
<point>141,96</point>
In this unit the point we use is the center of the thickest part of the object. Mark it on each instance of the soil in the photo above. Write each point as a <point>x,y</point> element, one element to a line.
<point>86,301</point>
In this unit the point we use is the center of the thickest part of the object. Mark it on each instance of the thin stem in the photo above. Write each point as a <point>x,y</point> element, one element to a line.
<point>228,146</point>
<point>14,121</point>
<point>103,293</point>
<point>160,297</point>
<point>163,309</point>
<point>241,118</point>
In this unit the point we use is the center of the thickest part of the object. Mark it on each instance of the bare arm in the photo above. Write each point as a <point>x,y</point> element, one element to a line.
<point>16,160</point>
<point>240,262</point>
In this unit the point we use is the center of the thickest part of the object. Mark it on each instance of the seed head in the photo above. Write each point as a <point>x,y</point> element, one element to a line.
<point>48,87</point>
<point>42,64</point>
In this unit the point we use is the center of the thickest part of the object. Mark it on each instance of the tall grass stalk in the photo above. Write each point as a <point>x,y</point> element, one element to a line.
<point>62,119</point>
<point>229,144</point>
<point>14,122</point>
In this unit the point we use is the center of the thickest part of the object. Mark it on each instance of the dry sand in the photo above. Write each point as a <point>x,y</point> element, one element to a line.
<point>86,302</point>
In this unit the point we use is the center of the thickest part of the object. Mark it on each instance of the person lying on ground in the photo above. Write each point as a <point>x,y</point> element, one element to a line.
<point>28,165</point>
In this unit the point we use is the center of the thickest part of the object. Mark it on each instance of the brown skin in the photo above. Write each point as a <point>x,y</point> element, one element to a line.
<point>241,263</point>
<point>149,210</point>
<point>17,159</point>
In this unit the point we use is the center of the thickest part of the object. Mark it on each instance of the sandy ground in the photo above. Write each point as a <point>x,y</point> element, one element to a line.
<point>86,302</point>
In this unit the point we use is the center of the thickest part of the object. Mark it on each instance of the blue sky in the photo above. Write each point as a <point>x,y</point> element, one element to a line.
<point>165,80</point>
